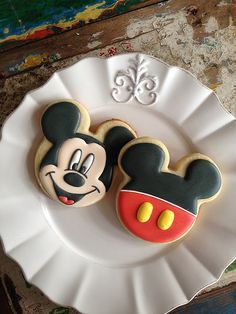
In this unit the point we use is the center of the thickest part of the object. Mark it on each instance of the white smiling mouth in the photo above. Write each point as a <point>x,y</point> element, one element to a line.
<point>68,198</point>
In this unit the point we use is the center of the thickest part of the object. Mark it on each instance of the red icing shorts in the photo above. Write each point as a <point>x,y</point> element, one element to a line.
<point>128,203</point>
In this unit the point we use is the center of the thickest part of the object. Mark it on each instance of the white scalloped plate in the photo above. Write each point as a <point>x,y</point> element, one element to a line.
<point>83,257</point>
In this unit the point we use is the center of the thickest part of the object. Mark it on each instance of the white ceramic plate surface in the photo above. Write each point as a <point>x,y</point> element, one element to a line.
<point>83,257</point>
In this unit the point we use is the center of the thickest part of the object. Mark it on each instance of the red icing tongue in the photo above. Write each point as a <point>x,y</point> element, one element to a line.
<point>65,200</point>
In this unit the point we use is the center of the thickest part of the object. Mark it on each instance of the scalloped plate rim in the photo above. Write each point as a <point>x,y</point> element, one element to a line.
<point>219,104</point>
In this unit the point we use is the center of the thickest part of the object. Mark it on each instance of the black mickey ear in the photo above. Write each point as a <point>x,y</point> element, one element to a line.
<point>114,141</point>
<point>60,121</point>
<point>143,159</point>
<point>203,178</point>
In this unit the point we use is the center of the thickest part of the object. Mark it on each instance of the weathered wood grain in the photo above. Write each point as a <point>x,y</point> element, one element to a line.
<point>166,32</point>
<point>108,32</point>
<point>61,24</point>
<point>70,43</point>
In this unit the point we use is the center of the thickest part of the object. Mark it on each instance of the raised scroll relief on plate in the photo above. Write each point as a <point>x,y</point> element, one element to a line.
<point>135,83</point>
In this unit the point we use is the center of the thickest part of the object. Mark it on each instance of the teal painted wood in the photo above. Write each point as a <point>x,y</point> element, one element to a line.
<point>231,267</point>
<point>222,303</point>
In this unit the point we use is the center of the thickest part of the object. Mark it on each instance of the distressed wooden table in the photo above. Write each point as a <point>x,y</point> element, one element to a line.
<point>197,35</point>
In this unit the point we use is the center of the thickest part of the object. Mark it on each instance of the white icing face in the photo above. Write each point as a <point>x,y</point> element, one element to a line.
<point>75,179</point>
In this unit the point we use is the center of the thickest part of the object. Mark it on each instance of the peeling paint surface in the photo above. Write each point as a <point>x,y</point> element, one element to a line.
<point>169,37</point>
<point>97,35</point>
<point>223,3</point>
<point>33,60</point>
<point>172,40</point>
<point>94,44</point>
<point>211,25</point>
<point>139,26</point>
<point>36,20</point>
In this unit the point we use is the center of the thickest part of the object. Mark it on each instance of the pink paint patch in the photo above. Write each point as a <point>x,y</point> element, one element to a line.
<point>127,46</point>
<point>112,51</point>
<point>108,53</point>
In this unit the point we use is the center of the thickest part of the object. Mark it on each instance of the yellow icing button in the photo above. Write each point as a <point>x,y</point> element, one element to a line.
<point>144,212</point>
<point>165,219</point>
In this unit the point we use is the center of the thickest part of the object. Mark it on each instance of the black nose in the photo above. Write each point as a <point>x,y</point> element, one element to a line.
<point>74,179</point>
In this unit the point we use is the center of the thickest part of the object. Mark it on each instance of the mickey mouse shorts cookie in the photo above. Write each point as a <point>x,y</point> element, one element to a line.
<point>155,203</point>
<point>73,165</point>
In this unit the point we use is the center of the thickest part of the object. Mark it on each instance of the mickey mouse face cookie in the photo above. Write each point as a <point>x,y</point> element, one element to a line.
<point>73,165</point>
<point>155,203</point>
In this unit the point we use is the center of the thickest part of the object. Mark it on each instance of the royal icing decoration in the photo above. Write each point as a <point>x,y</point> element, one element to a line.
<point>165,219</point>
<point>156,203</point>
<point>73,165</point>
<point>144,212</point>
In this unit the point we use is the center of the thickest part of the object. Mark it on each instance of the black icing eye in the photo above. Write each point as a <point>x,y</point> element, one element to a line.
<point>87,164</point>
<point>75,160</point>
